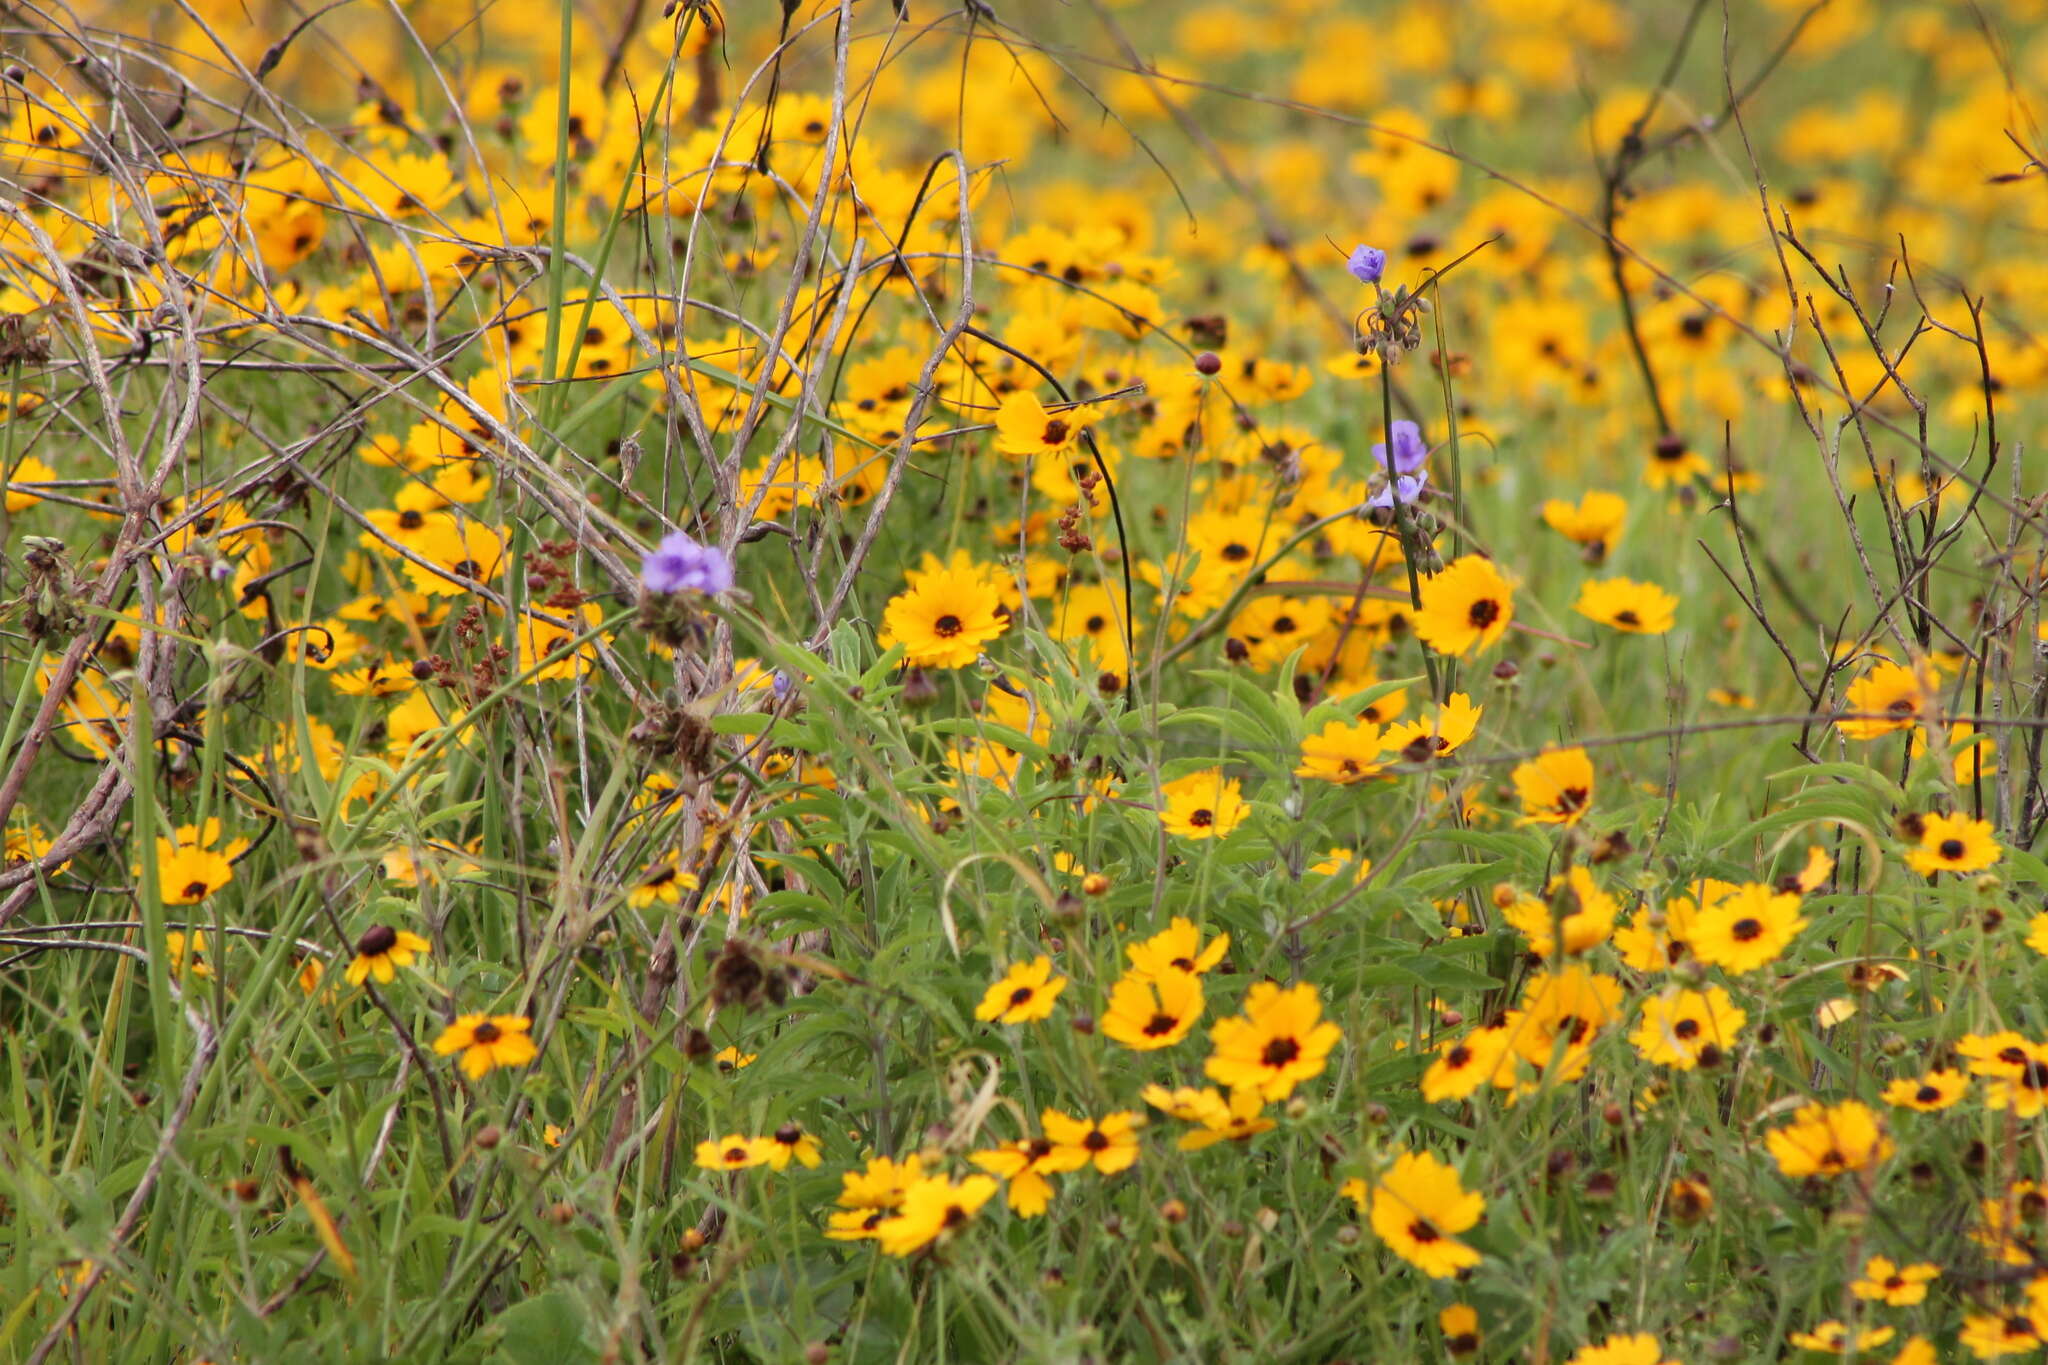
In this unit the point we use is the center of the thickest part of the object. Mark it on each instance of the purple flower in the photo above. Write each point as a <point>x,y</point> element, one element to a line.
<point>1367,263</point>
<point>1405,489</point>
<point>1409,451</point>
<point>680,564</point>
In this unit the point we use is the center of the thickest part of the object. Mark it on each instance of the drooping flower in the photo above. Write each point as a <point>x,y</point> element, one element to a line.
<point>1366,263</point>
<point>1556,787</point>
<point>381,951</point>
<point>1466,607</point>
<point>1239,1119</point>
<point>1594,522</point>
<point>1025,992</point>
<point>680,564</point>
<point>1460,1325</point>
<point>1827,1139</point>
<point>487,1042</point>
<point>1418,1206</point>
<point>1280,1040</point>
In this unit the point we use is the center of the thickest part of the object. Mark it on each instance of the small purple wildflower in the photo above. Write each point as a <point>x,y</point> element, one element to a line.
<point>680,564</point>
<point>1409,450</point>
<point>1366,263</point>
<point>1405,489</point>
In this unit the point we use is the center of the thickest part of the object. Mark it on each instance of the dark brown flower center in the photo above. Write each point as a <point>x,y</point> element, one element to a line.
<point>1747,929</point>
<point>1096,1140</point>
<point>1280,1052</point>
<point>1055,432</point>
<point>1022,995</point>
<point>1484,612</point>
<point>1926,1094</point>
<point>1952,849</point>
<point>947,626</point>
<point>378,940</point>
<point>1202,819</point>
<point>1422,1232</point>
<point>487,1032</point>
<point>1159,1025</point>
<point>1626,617</point>
<point>196,891</point>
<point>1686,1028</point>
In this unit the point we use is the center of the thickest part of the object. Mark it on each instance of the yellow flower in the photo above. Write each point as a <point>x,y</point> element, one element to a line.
<point>868,1197</point>
<point>1025,1166</point>
<point>1627,606</point>
<point>732,1059</point>
<point>1688,1028</point>
<point>1202,805</point>
<point>1024,993</point>
<point>1832,1338</point>
<point>28,470</point>
<point>1341,752</point>
<point>1464,1064</point>
<point>1150,1012</point>
<point>1747,929</point>
<point>1176,948</point>
<point>1460,1325</point>
<point>381,951</point>
<point>186,953</point>
<point>1639,1348</point>
<point>1468,606</point>
<point>1900,1286</point>
<point>1577,906</point>
<point>733,1152</point>
<point>1025,428</point>
<point>1953,843</point>
<point>1594,522</point>
<point>791,1143</point>
<point>1828,1140</point>
<point>1417,1207</point>
<point>1936,1089</point>
<point>488,1042</point>
<point>1556,787</point>
<point>1890,697</point>
<point>1109,1143</point>
<point>1238,1120</point>
<point>1279,1041</point>
<point>945,618</point>
<point>933,1207</point>
<point>1418,741</point>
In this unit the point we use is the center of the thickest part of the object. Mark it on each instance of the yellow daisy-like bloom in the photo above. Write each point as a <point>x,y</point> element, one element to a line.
<point>1280,1040</point>
<point>1466,607</point>
<point>1417,1208</point>
<point>1991,1335</point>
<point>1747,929</point>
<point>186,953</point>
<point>1936,1089</point>
<point>189,875</point>
<point>733,1152</point>
<point>1341,752</point>
<point>869,1196</point>
<point>791,1143</point>
<point>945,618</point>
<point>1025,1166</point>
<point>1151,1012</point>
<point>1024,428</point>
<point>381,951</point>
<point>1901,1286</point>
<point>1026,992</point>
<point>1953,843</point>
<point>1464,1064</point>
<point>1833,1338</point>
<point>1577,906</point>
<point>1688,1028</point>
<point>1628,606</point>
<point>1556,787</point>
<point>1638,1348</point>
<point>1827,1139</point>
<point>1187,1104</point>
<point>1176,948</point>
<point>1110,1143</point>
<point>1889,698</point>
<point>1562,1013</point>
<point>1203,805</point>
<point>1595,521</point>
<point>1241,1119</point>
<point>2021,1082</point>
<point>1418,741</point>
<point>487,1042</point>
<point>1460,1325</point>
<point>933,1207</point>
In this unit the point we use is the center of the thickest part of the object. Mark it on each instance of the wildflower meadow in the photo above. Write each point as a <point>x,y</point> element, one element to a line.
<point>1257,681</point>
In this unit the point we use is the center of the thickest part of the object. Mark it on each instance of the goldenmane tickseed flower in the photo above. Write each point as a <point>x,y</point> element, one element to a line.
<point>1342,752</point>
<point>734,1152</point>
<point>1109,1143</point>
<point>1928,1092</point>
<point>1825,1139</point>
<point>2019,1085</point>
<point>1024,1166</point>
<point>1562,1013</point>
<point>1953,843</point>
<point>1576,907</point>
<point>870,1195</point>
<point>1024,993</point>
<point>1176,948</point>
<point>1239,1119</point>
<point>1417,1206</point>
<point>1556,787</point>
<point>1991,1335</point>
<point>791,1143</point>
<point>1444,732</point>
<point>680,564</point>
<point>1813,875</point>
<point>1747,929</point>
<point>189,866</point>
<point>1889,698</point>
<point>1024,428</point>
<point>1688,1028</point>
<point>1638,1348</point>
<point>1464,1064</point>
<point>1460,1325</point>
<point>186,953</point>
<point>487,1042</point>
<point>1832,1337</point>
<point>381,951</point>
<point>1901,1286</point>
<point>1594,522</point>
<point>1150,1012</point>
<point>1466,607</point>
<point>1280,1040</point>
<point>944,618</point>
<point>933,1207</point>
<point>1202,805</point>
<point>1628,606</point>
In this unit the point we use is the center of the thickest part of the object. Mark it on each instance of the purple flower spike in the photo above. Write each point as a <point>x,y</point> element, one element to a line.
<point>680,564</point>
<point>1409,450</point>
<point>1366,263</point>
